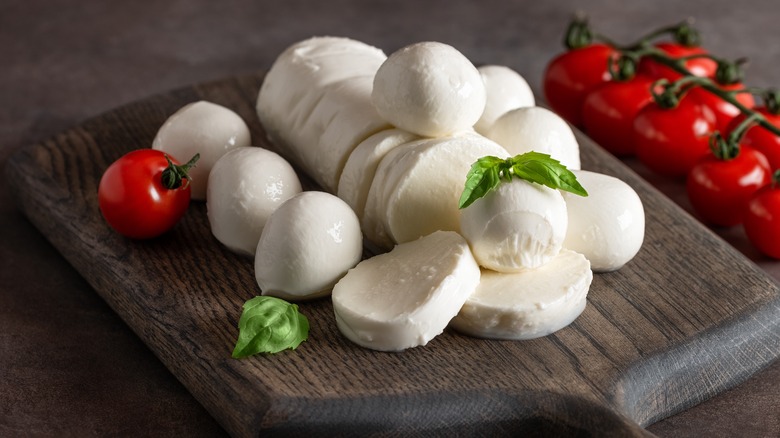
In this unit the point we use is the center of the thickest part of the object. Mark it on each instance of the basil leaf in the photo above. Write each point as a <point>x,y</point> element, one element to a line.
<point>269,325</point>
<point>487,172</point>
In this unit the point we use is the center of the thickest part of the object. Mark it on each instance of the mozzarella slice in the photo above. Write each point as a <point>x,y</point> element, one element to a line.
<point>203,128</point>
<point>342,119</point>
<point>527,304</point>
<point>536,129</point>
<point>360,168</point>
<point>519,225</point>
<point>307,245</point>
<point>406,297</point>
<point>429,89</point>
<point>506,90</point>
<point>296,81</point>
<point>607,226</point>
<point>245,186</point>
<point>418,185</point>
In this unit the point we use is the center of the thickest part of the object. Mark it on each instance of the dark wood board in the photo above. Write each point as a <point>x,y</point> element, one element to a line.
<point>687,318</point>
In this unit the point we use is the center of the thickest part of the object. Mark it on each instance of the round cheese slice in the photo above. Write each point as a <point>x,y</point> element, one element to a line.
<point>528,304</point>
<point>406,297</point>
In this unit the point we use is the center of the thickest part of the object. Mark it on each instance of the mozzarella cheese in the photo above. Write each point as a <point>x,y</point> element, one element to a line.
<point>417,187</point>
<point>203,128</point>
<point>305,74</point>
<point>607,226</point>
<point>519,225</point>
<point>307,245</point>
<point>360,168</point>
<point>429,89</point>
<point>505,90</point>
<point>536,129</point>
<point>245,186</point>
<point>406,297</point>
<point>528,304</point>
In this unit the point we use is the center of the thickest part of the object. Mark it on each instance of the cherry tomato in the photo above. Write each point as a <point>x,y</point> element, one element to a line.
<point>703,67</point>
<point>724,111</point>
<point>133,198</point>
<point>719,189</point>
<point>609,110</point>
<point>761,138</point>
<point>571,75</point>
<point>671,141</point>
<point>762,220</point>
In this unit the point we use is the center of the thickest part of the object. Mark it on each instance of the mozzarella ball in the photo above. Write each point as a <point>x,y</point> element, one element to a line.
<point>308,244</point>
<point>519,225</point>
<point>607,226</point>
<point>201,128</point>
<point>506,90</point>
<point>429,89</point>
<point>536,129</point>
<point>246,185</point>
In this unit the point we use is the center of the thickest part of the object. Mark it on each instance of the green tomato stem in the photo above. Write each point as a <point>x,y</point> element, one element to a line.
<point>173,175</point>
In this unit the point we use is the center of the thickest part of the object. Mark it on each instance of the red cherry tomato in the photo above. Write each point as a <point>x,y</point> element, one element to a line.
<point>609,110</point>
<point>719,190</point>
<point>724,111</point>
<point>761,138</point>
<point>571,75</point>
<point>762,220</point>
<point>670,141</point>
<point>703,67</point>
<point>133,199</point>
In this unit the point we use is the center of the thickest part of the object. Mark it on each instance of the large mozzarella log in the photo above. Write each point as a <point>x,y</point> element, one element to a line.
<point>607,226</point>
<point>536,129</point>
<point>505,90</point>
<point>308,244</point>
<point>519,225</point>
<point>203,128</point>
<point>360,168</point>
<point>417,187</point>
<point>528,304</point>
<point>296,85</point>
<point>245,187</point>
<point>406,297</point>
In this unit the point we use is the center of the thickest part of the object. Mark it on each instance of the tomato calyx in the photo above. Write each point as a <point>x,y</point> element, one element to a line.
<point>175,176</point>
<point>578,34</point>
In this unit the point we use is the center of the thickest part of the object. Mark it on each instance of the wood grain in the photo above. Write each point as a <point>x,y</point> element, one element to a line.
<point>686,319</point>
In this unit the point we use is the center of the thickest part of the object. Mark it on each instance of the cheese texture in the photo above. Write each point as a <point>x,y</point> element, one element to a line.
<point>607,226</point>
<point>536,129</point>
<point>505,90</point>
<point>429,89</point>
<point>245,186</point>
<point>404,298</point>
<point>528,304</point>
<point>307,245</point>
<point>203,128</point>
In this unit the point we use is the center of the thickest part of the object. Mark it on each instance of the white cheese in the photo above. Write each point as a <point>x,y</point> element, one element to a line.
<point>528,304</point>
<point>607,226</point>
<point>342,118</point>
<point>519,225</point>
<point>406,297</point>
<point>307,245</point>
<point>536,129</point>
<point>359,171</point>
<point>417,185</point>
<point>245,186</point>
<point>506,90</point>
<point>203,128</point>
<point>429,89</point>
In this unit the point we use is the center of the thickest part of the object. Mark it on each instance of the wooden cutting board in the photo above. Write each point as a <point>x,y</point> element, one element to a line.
<point>686,319</point>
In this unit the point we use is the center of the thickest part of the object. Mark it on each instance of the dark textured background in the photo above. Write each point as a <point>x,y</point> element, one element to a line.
<point>68,365</point>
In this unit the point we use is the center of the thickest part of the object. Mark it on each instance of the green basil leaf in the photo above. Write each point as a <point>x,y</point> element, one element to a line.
<point>487,172</point>
<point>269,325</point>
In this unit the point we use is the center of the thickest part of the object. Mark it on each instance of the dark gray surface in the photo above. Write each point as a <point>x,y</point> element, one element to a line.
<point>68,365</point>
